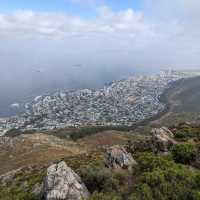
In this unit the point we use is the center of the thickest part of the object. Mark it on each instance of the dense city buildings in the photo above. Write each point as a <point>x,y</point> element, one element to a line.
<point>122,102</point>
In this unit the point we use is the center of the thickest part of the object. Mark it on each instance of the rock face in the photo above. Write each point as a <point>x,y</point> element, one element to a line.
<point>162,140</point>
<point>117,157</point>
<point>62,183</point>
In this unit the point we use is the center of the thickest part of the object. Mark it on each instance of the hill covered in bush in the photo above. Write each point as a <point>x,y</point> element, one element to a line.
<point>158,175</point>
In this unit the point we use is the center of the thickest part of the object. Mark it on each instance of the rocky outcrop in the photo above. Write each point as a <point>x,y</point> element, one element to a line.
<point>118,158</point>
<point>162,140</point>
<point>62,183</point>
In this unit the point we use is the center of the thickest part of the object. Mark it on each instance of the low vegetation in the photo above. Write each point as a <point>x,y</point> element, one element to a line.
<point>71,133</point>
<point>16,132</point>
<point>162,178</point>
<point>20,186</point>
<point>175,176</point>
<point>185,132</point>
<point>156,178</point>
<point>15,193</point>
<point>78,133</point>
<point>99,178</point>
<point>184,153</point>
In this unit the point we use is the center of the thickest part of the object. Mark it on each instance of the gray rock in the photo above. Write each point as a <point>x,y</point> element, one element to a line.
<point>62,183</point>
<point>162,140</point>
<point>118,158</point>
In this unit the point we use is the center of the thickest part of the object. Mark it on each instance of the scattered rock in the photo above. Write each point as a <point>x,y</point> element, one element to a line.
<point>117,157</point>
<point>162,140</point>
<point>62,183</point>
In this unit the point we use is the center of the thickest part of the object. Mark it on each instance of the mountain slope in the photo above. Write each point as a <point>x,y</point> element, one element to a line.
<point>183,100</point>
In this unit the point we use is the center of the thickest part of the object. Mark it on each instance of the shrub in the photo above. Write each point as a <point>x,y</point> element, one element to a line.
<point>184,133</point>
<point>142,145</point>
<point>149,162</point>
<point>164,179</point>
<point>103,196</point>
<point>184,153</point>
<point>13,132</point>
<point>181,135</point>
<point>15,193</point>
<point>98,178</point>
<point>143,192</point>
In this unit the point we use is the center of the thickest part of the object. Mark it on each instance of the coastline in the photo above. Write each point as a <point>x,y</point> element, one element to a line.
<point>162,97</point>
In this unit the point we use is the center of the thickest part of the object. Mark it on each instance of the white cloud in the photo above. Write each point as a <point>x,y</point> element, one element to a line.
<point>162,34</point>
<point>60,25</point>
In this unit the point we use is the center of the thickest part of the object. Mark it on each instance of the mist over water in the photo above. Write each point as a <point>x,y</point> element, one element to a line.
<point>22,86</point>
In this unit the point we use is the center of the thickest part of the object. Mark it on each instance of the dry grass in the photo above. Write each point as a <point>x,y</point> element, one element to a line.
<point>106,138</point>
<point>38,148</point>
<point>34,149</point>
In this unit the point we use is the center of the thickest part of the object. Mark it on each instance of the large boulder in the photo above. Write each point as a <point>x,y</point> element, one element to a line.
<point>162,140</point>
<point>118,158</point>
<point>62,183</point>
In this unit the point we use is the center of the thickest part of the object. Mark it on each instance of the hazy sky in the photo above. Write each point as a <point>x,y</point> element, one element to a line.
<point>43,42</point>
<point>139,33</point>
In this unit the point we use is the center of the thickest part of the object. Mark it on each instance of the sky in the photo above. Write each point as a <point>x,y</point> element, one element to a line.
<point>83,43</point>
<point>140,33</point>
